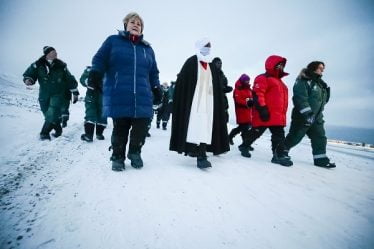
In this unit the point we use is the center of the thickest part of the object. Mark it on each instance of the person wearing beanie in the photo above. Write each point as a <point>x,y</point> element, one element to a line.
<point>224,83</point>
<point>199,123</point>
<point>270,96</point>
<point>243,109</point>
<point>124,69</point>
<point>93,111</point>
<point>310,95</point>
<point>55,80</point>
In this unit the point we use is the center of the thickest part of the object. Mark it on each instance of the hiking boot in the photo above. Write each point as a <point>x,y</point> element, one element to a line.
<point>45,137</point>
<point>164,125</point>
<point>87,138</point>
<point>324,163</point>
<point>99,132</point>
<point>282,160</point>
<point>88,132</point>
<point>136,160</point>
<point>46,129</point>
<point>58,130</point>
<point>203,163</point>
<point>244,151</point>
<point>118,163</point>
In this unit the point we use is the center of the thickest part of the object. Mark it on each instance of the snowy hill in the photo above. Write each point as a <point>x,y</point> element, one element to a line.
<point>62,193</point>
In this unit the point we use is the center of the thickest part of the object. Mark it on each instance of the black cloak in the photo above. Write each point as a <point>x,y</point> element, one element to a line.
<point>182,101</point>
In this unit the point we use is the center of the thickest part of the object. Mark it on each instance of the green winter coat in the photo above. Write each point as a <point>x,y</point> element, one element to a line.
<point>93,102</point>
<point>310,93</point>
<point>54,80</point>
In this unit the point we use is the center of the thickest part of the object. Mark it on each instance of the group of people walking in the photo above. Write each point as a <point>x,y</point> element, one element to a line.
<point>123,84</point>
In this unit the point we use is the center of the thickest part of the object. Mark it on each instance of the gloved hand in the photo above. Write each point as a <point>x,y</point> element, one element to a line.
<point>157,95</point>
<point>28,82</point>
<point>250,102</point>
<point>328,94</point>
<point>75,98</point>
<point>227,89</point>
<point>94,81</point>
<point>264,113</point>
<point>309,118</point>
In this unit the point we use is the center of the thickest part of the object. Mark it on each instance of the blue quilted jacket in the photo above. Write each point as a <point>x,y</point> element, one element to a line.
<point>130,72</point>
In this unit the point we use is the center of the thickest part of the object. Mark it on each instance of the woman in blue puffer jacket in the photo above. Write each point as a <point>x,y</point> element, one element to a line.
<point>128,67</point>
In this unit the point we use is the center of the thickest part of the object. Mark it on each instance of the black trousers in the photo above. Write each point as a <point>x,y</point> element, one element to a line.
<point>241,128</point>
<point>122,127</point>
<point>277,136</point>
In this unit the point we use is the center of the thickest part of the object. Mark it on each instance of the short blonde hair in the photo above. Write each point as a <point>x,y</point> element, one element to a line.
<point>130,16</point>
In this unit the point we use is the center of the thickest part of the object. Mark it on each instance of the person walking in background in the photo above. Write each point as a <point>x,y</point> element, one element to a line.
<point>224,84</point>
<point>163,112</point>
<point>68,97</point>
<point>310,95</point>
<point>270,96</point>
<point>198,118</point>
<point>128,66</point>
<point>243,109</point>
<point>54,79</point>
<point>93,103</point>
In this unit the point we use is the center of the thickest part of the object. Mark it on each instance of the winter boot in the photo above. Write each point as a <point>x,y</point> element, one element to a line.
<point>158,124</point>
<point>324,163</point>
<point>58,130</point>
<point>244,150</point>
<point>46,129</point>
<point>202,161</point>
<point>281,158</point>
<point>118,163</point>
<point>164,125</point>
<point>136,160</point>
<point>88,132</point>
<point>99,132</point>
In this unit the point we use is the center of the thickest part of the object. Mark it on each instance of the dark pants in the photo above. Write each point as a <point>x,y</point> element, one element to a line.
<point>241,128</point>
<point>277,136</point>
<point>120,134</point>
<point>164,113</point>
<point>65,110</point>
<point>316,133</point>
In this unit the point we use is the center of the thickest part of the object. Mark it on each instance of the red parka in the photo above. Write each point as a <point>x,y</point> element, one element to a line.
<point>269,90</point>
<point>242,93</point>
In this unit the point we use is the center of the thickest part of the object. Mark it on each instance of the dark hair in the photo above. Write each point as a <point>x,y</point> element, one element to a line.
<point>314,65</point>
<point>216,60</point>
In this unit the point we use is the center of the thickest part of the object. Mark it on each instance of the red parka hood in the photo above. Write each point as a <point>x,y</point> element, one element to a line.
<point>270,64</point>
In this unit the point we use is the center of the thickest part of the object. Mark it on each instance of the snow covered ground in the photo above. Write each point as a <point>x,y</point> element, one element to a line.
<point>62,193</point>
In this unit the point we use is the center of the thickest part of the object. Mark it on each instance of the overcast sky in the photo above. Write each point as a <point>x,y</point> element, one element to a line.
<point>243,33</point>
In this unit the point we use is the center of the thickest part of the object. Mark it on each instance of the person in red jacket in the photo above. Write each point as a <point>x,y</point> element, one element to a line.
<point>243,109</point>
<point>270,96</point>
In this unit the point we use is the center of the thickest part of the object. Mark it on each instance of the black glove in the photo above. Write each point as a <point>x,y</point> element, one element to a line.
<point>250,102</point>
<point>328,94</point>
<point>95,81</point>
<point>264,113</point>
<point>227,89</point>
<point>157,95</point>
<point>309,118</point>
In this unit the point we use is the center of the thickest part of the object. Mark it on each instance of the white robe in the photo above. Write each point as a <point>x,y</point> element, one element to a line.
<point>200,126</point>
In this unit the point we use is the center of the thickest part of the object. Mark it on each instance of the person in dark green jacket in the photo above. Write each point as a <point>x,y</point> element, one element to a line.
<point>54,79</point>
<point>310,95</point>
<point>94,110</point>
<point>65,114</point>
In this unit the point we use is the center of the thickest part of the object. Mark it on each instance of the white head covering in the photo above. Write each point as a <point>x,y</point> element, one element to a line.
<point>202,52</point>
